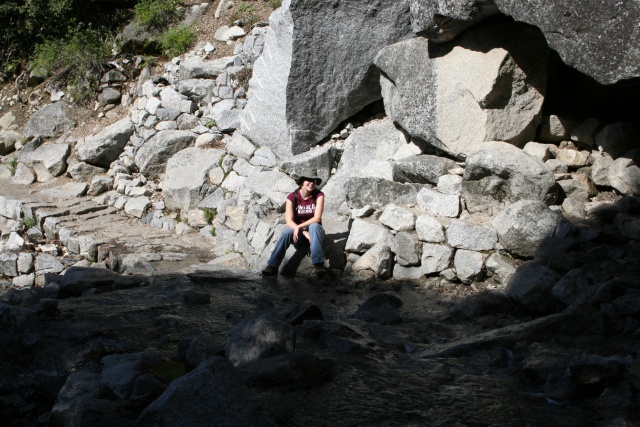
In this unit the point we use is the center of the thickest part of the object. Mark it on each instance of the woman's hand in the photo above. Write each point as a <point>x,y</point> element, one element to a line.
<point>296,232</point>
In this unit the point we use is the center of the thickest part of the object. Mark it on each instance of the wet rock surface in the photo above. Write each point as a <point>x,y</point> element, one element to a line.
<point>392,353</point>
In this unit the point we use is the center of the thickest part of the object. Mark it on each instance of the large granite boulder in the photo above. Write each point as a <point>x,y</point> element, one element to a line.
<point>185,175</point>
<point>497,174</point>
<point>316,69</point>
<point>49,161</point>
<point>486,85</point>
<point>375,142</point>
<point>152,157</point>
<point>104,147</point>
<point>525,226</point>
<point>49,122</point>
<point>596,38</point>
<point>443,20</point>
<point>422,168</point>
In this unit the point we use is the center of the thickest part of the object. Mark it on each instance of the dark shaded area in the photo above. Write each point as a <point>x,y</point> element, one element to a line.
<point>573,94</point>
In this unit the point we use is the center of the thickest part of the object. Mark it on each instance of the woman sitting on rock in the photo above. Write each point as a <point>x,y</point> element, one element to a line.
<point>303,215</point>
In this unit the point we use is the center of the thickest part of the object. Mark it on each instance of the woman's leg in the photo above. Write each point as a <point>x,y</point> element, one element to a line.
<point>316,233</point>
<point>284,241</point>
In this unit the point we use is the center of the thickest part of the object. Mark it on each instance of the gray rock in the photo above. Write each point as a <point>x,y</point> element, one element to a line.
<point>407,248</point>
<point>378,192</point>
<point>377,141</point>
<point>240,146</point>
<point>187,121</point>
<point>377,259</point>
<point>47,263</point>
<point>228,121</point>
<point>439,204</point>
<point>574,159</point>
<point>429,229</point>
<point>530,286</point>
<point>100,184</point>
<point>469,265</point>
<point>194,67</point>
<point>25,262</point>
<point>225,33</point>
<point>450,184</point>
<point>137,206</point>
<point>49,161</point>
<point>555,129</point>
<point>185,175</point>
<point>273,184</point>
<point>398,218</point>
<point>586,131</point>
<point>68,190</point>
<point>10,208</point>
<point>212,391</point>
<point>197,89</point>
<point>109,95</point>
<point>466,235</point>
<point>498,174</point>
<point>624,174</point>
<point>113,76</point>
<point>443,20</point>
<point>24,281</point>
<point>104,147</point>
<point>600,168</point>
<point>320,159</point>
<point>524,226</point>
<point>23,175</point>
<point>435,258</point>
<point>486,85</point>
<point>263,156</point>
<point>151,158</point>
<point>234,183</point>
<point>81,171</point>
<point>8,141</point>
<point>292,81</point>
<point>628,226</point>
<point>49,122</point>
<point>79,399</point>
<point>424,169</point>
<point>364,234</point>
<point>500,267</point>
<point>594,38</point>
<point>168,114</point>
<point>538,151</point>
<point>9,264</point>
<point>617,138</point>
<point>259,336</point>
<point>121,371</point>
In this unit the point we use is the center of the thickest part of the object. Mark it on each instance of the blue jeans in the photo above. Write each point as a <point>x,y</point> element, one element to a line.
<point>316,232</point>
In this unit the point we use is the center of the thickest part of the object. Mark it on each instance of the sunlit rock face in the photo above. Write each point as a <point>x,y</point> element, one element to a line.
<point>486,85</point>
<point>317,69</point>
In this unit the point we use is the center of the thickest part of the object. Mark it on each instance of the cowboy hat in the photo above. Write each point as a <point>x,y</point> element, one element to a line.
<point>309,175</point>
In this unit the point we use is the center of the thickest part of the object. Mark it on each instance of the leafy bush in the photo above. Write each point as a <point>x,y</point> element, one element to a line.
<point>157,13</point>
<point>246,13</point>
<point>29,221</point>
<point>209,214</point>
<point>177,40</point>
<point>243,76</point>
<point>79,58</point>
<point>275,4</point>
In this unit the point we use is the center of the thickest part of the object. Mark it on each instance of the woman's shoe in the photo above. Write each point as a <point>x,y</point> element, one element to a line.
<point>269,271</point>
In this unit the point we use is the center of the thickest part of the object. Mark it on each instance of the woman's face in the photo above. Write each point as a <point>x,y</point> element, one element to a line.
<point>308,185</point>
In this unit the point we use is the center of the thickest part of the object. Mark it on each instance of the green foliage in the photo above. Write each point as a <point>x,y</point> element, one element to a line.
<point>211,123</point>
<point>246,13</point>
<point>29,221</point>
<point>177,40</point>
<point>13,164</point>
<point>275,4</point>
<point>26,23</point>
<point>79,57</point>
<point>157,13</point>
<point>209,214</point>
<point>213,231</point>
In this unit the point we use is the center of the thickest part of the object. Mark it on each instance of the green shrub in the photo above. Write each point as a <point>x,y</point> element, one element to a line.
<point>176,40</point>
<point>243,76</point>
<point>209,214</point>
<point>211,123</point>
<point>246,13</point>
<point>78,58</point>
<point>275,4</point>
<point>213,231</point>
<point>29,221</point>
<point>13,164</point>
<point>156,13</point>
